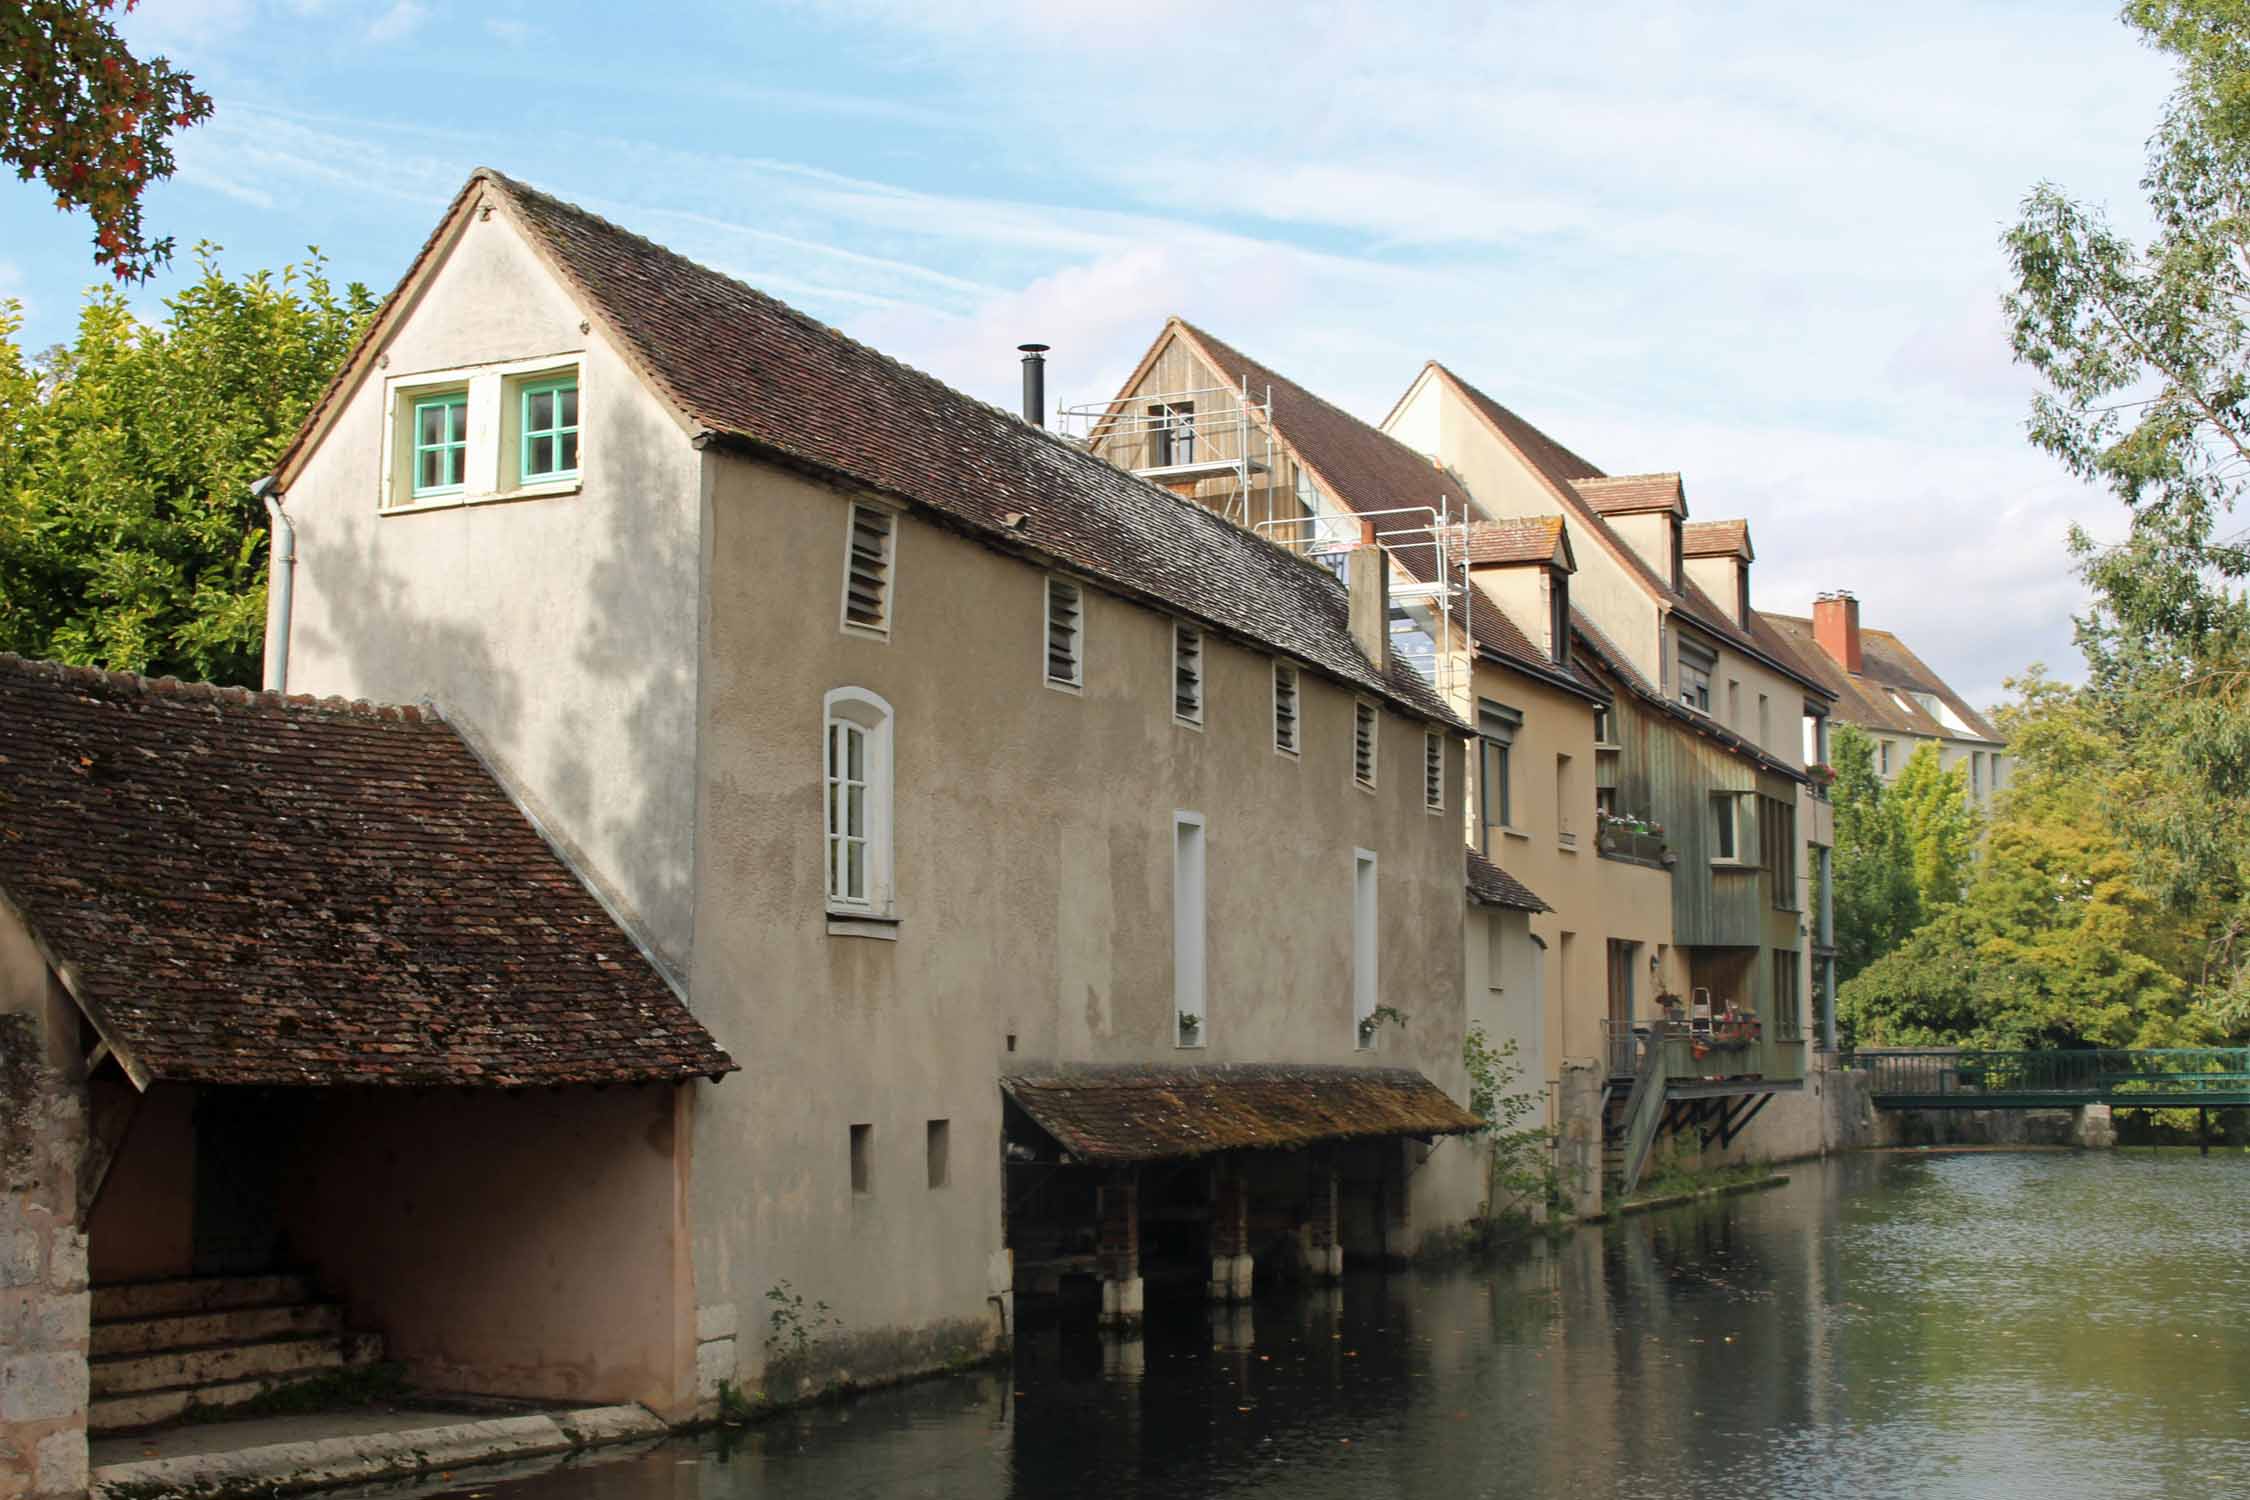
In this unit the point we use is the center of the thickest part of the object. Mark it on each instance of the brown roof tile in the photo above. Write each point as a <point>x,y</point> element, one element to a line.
<point>1121,1114</point>
<point>1716,539</point>
<point>1869,699</point>
<point>1370,471</point>
<point>1493,886</point>
<point>1528,539</point>
<point>1563,471</point>
<point>246,890</point>
<point>1627,493</point>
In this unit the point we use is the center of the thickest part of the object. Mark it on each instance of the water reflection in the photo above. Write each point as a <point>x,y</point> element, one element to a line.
<point>1978,1325</point>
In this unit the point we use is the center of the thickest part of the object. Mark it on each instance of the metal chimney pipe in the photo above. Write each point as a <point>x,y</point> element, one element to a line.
<point>1034,383</point>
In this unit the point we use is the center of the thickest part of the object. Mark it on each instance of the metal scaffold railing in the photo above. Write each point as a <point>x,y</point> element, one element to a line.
<point>1208,433</point>
<point>1427,549</point>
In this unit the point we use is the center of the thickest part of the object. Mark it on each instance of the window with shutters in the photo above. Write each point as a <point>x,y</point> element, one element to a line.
<point>1363,744</point>
<point>1187,675</point>
<point>1285,708</point>
<point>1433,771</point>
<point>1066,635</point>
<point>869,543</point>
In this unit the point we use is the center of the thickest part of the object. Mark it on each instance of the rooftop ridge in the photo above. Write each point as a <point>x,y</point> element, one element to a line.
<point>184,690</point>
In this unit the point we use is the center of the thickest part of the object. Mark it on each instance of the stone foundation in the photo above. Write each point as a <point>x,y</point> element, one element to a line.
<point>43,1298</point>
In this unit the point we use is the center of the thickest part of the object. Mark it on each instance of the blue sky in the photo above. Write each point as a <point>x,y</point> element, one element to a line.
<point>1755,243</point>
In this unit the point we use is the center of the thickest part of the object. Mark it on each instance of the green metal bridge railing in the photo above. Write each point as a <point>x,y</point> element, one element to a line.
<point>2136,1078</point>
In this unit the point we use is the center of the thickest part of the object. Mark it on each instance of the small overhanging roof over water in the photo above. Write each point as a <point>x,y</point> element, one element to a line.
<point>1120,1114</point>
<point>241,888</point>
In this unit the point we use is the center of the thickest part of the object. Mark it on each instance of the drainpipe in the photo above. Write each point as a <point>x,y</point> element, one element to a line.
<point>281,582</point>
<point>1827,942</point>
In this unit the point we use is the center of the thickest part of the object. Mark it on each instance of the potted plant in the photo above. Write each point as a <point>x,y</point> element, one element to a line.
<point>1191,1027</point>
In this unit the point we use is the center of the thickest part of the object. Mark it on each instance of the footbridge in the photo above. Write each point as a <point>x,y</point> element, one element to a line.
<point>2134,1078</point>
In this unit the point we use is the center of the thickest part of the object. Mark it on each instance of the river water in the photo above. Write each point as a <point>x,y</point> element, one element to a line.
<point>1970,1324</point>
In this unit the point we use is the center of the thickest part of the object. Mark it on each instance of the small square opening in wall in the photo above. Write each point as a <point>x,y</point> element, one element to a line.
<point>941,1169</point>
<point>1363,744</point>
<point>863,1144</point>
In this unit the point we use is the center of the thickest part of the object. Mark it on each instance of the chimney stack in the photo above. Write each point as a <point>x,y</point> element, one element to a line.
<point>1835,624</point>
<point>1034,383</point>
<point>1367,576</point>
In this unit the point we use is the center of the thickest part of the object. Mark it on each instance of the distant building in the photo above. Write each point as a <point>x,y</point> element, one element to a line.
<point>1887,690</point>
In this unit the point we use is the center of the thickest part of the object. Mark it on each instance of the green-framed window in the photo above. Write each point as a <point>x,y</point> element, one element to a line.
<point>550,429</point>
<point>441,442</point>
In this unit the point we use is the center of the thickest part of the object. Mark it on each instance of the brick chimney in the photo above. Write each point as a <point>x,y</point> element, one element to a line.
<point>1835,624</point>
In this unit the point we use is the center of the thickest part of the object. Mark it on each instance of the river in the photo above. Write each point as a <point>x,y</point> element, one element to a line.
<point>1994,1325</point>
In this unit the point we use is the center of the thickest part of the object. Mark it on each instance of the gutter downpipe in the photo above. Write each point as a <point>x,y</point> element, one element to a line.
<point>281,583</point>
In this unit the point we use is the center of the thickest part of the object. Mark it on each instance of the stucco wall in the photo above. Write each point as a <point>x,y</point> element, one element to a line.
<point>532,1244</point>
<point>1034,890</point>
<point>143,1223</point>
<point>43,1299</point>
<point>560,630</point>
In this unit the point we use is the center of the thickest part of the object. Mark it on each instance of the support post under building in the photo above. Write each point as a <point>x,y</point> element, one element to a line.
<point>1123,1297</point>
<point>1231,1265</point>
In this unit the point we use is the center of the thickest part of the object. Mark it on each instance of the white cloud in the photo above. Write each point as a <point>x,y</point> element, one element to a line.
<point>400,21</point>
<point>506,29</point>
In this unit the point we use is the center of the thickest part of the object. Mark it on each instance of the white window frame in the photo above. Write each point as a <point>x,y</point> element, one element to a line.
<point>489,462</point>
<point>1184,634</point>
<point>844,620</point>
<point>1076,682</point>
<point>1742,857</point>
<point>1366,966</point>
<point>1290,744</point>
<point>872,717</point>
<point>1367,718</point>
<point>1433,771</point>
<point>1190,929</point>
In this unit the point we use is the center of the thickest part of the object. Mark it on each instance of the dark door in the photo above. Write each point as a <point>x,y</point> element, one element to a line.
<point>1621,957</point>
<point>241,1139</point>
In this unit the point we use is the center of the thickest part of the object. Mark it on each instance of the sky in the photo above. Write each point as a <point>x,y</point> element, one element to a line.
<point>1755,243</point>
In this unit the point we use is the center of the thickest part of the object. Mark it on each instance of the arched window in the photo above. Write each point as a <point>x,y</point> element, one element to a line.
<point>856,731</point>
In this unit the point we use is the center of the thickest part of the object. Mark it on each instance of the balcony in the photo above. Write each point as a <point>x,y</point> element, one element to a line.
<point>1635,840</point>
<point>1740,1048</point>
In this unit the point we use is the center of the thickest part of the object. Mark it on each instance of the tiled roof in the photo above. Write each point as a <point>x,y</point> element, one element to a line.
<point>1562,471</point>
<point>243,889</point>
<point>1600,649</point>
<point>1370,471</point>
<point>1627,493</point>
<point>1716,539</point>
<point>752,373</point>
<point>1531,539</point>
<point>1121,1114</point>
<point>1887,663</point>
<point>1493,886</point>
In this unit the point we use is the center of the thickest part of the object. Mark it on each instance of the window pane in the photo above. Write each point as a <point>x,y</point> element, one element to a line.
<point>542,456</point>
<point>569,442</point>
<point>432,425</point>
<point>855,870</point>
<point>456,421</point>
<point>855,748</point>
<point>855,811</point>
<point>568,397</point>
<point>541,416</point>
<point>427,470</point>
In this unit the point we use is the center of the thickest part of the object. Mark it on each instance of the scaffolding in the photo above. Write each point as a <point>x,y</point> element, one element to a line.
<point>1427,548</point>
<point>1184,437</point>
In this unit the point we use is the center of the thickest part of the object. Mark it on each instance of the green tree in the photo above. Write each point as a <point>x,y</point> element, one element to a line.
<point>1941,825</point>
<point>2145,351</point>
<point>93,122</point>
<point>1873,862</point>
<point>128,537</point>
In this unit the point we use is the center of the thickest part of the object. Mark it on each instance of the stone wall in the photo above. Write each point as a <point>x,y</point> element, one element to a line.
<point>43,1300</point>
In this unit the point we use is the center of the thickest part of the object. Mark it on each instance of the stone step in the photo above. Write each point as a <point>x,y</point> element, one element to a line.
<point>217,1364</point>
<point>188,1294</point>
<point>130,1410</point>
<point>234,1325</point>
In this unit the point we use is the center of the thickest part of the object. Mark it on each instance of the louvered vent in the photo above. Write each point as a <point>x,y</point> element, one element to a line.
<point>1285,708</point>
<point>867,572</point>
<point>1063,614</point>
<point>1187,674</point>
<point>1363,743</point>
<point>1433,772</point>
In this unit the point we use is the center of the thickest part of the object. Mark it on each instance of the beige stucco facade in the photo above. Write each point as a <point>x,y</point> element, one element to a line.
<point>644,656</point>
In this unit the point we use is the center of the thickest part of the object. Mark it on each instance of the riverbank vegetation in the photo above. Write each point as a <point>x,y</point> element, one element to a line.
<point>2109,904</point>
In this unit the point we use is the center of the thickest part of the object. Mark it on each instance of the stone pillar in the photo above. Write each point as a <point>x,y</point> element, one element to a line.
<point>1324,1250</point>
<point>1398,1217</point>
<point>1578,1147</point>
<point>43,1298</point>
<point>1230,1233</point>
<point>2094,1129</point>
<point>1120,1253</point>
